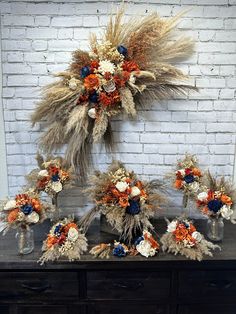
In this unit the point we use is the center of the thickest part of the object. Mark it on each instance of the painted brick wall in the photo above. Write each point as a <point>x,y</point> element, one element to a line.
<point>37,40</point>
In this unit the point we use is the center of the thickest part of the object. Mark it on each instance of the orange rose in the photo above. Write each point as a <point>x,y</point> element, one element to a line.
<point>226,199</point>
<point>70,225</point>
<point>196,172</point>
<point>178,184</point>
<point>123,201</point>
<point>192,228</point>
<point>12,216</point>
<point>51,240</point>
<point>91,81</point>
<point>36,204</point>
<point>130,66</point>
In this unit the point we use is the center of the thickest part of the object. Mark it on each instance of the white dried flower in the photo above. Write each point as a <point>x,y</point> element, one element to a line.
<point>109,86</point>
<point>172,226</point>
<point>56,186</point>
<point>188,244</point>
<point>202,196</point>
<point>145,248</point>
<point>135,191</point>
<point>33,218</point>
<point>92,113</point>
<point>72,84</point>
<point>10,205</point>
<point>21,216</point>
<point>43,173</point>
<point>73,234</point>
<point>226,212</point>
<point>197,236</point>
<point>106,66</point>
<point>181,171</point>
<point>121,186</point>
<point>194,186</point>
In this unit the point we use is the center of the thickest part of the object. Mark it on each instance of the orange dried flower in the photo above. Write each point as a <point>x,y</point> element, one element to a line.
<point>52,170</point>
<point>22,199</point>
<point>94,65</point>
<point>68,226</point>
<point>226,199</point>
<point>12,216</point>
<point>51,240</point>
<point>43,182</point>
<point>123,201</point>
<point>130,66</point>
<point>196,172</point>
<point>91,82</point>
<point>36,204</point>
<point>178,184</point>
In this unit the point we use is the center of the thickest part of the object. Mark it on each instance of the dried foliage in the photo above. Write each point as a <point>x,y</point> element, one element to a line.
<point>130,66</point>
<point>127,202</point>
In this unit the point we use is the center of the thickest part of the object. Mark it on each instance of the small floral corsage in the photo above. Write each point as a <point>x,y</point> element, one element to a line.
<point>146,245</point>
<point>183,238</point>
<point>64,239</point>
<point>188,177</point>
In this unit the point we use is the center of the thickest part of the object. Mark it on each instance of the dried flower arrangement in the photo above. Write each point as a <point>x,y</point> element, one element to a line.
<point>183,238</point>
<point>24,210</point>
<point>144,245</point>
<point>132,64</point>
<point>64,239</point>
<point>127,202</point>
<point>217,198</point>
<point>188,177</point>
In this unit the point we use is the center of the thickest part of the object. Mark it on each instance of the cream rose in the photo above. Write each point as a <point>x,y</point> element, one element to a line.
<point>202,196</point>
<point>56,186</point>
<point>121,186</point>
<point>72,84</point>
<point>172,226</point>
<point>135,191</point>
<point>194,186</point>
<point>226,212</point>
<point>145,248</point>
<point>10,205</point>
<point>73,234</point>
<point>109,87</point>
<point>181,171</point>
<point>197,236</point>
<point>33,218</point>
<point>92,113</point>
<point>43,173</point>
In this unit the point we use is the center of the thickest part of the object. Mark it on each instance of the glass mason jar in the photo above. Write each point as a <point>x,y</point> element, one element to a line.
<point>215,229</point>
<point>25,240</point>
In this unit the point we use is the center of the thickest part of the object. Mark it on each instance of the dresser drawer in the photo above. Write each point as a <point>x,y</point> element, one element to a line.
<point>33,286</point>
<point>119,308</point>
<point>207,309</point>
<point>128,285</point>
<point>207,284</point>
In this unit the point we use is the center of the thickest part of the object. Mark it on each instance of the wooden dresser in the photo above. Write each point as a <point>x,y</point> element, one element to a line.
<point>165,284</point>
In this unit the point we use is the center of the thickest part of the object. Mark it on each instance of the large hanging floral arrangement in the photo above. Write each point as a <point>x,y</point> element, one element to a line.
<point>127,202</point>
<point>129,66</point>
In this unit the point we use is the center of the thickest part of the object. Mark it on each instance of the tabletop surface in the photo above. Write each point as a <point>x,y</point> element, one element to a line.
<point>10,260</point>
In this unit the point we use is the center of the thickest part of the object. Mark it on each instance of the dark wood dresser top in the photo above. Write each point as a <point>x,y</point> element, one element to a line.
<point>10,260</point>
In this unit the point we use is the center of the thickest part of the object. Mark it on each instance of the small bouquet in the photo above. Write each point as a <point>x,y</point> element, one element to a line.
<point>183,238</point>
<point>24,210</point>
<point>127,202</point>
<point>217,198</point>
<point>52,175</point>
<point>145,245</point>
<point>64,239</point>
<point>188,177</point>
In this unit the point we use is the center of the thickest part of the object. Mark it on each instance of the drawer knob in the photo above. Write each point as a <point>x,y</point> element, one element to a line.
<point>39,287</point>
<point>219,284</point>
<point>133,286</point>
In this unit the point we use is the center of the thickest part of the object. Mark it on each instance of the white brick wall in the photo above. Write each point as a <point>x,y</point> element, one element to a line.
<point>38,38</point>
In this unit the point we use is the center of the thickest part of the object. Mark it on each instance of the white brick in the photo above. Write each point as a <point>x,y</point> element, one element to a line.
<point>15,56</point>
<point>34,57</point>
<point>225,36</point>
<point>19,80</point>
<point>217,58</point>
<point>231,82</point>
<point>226,105</point>
<point>64,21</point>
<point>15,45</point>
<point>41,33</point>
<point>39,45</point>
<point>221,127</point>
<point>227,93</point>
<point>227,70</point>
<point>90,21</point>
<point>17,33</point>
<point>62,45</point>
<point>16,68</point>
<point>210,82</point>
<point>39,69</point>
<point>18,20</point>
<point>208,23</point>
<point>42,20</point>
<point>65,33</point>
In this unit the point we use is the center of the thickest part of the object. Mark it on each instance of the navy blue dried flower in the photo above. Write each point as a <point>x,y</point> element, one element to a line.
<point>122,50</point>
<point>55,177</point>
<point>215,205</point>
<point>189,178</point>
<point>138,240</point>
<point>57,230</point>
<point>27,209</point>
<point>133,208</point>
<point>119,251</point>
<point>93,97</point>
<point>85,71</point>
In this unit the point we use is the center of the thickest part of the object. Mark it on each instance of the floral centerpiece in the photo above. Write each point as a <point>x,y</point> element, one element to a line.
<point>131,64</point>
<point>127,202</point>
<point>183,238</point>
<point>188,177</point>
<point>64,239</point>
